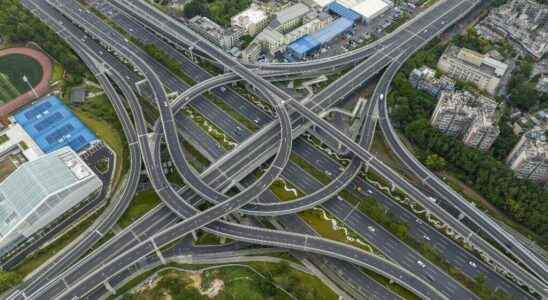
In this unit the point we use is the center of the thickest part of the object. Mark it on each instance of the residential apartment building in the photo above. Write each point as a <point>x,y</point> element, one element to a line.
<point>425,79</point>
<point>224,38</point>
<point>467,65</point>
<point>529,158</point>
<point>468,116</point>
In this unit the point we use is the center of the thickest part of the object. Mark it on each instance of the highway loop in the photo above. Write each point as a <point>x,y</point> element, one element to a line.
<point>264,209</point>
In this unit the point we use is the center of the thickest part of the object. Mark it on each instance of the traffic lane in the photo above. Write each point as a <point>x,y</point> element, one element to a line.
<point>362,224</point>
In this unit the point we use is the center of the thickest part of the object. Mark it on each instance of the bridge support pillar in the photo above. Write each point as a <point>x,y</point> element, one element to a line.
<point>392,186</point>
<point>223,240</point>
<point>194,235</point>
<point>109,288</point>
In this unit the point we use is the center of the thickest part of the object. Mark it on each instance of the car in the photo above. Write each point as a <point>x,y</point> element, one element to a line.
<point>419,221</point>
<point>371,228</point>
<point>432,199</point>
<point>473,264</point>
<point>381,96</point>
<point>370,191</point>
<point>420,263</point>
<point>340,198</point>
<point>426,237</point>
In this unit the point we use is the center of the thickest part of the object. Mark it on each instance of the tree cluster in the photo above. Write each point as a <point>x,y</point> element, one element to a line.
<point>522,89</point>
<point>522,200</point>
<point>19,26</point>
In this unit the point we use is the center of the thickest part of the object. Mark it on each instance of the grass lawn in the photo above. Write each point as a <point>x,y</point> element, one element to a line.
<point>57,73</point>
<point>246,281</point>
<point>207,238</point>
<point>324,228</point>
<point>278,188</point>
<point>15,66</point>
<point>97,114</point>
<point>140,205</point>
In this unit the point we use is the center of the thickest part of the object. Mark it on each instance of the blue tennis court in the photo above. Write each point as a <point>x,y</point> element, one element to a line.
<point>52,125</point>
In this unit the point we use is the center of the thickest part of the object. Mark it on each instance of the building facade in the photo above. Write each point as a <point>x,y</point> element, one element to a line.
<point>425,79</point>
<point>213,32</point>
<point>529,158</point>
<point>468,116</point>
<point>250,21</point>
<point>467,65</point>
<point>41,191</point>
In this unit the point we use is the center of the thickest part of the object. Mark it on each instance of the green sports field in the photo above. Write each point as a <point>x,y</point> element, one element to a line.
<point>12,69</point>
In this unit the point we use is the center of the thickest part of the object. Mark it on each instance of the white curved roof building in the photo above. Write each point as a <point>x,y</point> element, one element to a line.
<point>40,191</point>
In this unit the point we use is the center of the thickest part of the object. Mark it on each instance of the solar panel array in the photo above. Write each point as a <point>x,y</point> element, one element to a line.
<point>52,125</point>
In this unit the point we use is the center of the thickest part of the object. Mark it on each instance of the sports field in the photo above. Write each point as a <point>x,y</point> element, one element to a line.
<point>12,69</point>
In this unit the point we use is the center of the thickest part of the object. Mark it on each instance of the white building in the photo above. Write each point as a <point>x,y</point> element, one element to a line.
<point>529,158</point>
<point>472,117</point>
<point>251,20</point>
<point>468,65</point>
<point>368,9</point>
<point>16,138</point>
<point>40,191</point>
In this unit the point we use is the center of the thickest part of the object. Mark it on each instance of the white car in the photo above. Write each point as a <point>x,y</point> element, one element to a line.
<point>426,237</point>
<point>371,228</point>
<point>473,264</point>
<point>420,263</point>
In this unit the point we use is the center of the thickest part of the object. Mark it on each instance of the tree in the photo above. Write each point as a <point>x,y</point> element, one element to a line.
<point>196,8</point>
<point>435,162</point>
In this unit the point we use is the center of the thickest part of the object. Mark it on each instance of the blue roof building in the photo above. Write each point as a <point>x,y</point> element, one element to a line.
<point>333,30</point>
<point>312,42</point>
<point>52,125</point>
<point>343,11</point>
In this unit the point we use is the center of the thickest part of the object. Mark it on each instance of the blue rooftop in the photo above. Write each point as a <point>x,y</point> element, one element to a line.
<point>344,12</point>
<point>304,46</point>
<point>52,125</point>
<point>331,31</point>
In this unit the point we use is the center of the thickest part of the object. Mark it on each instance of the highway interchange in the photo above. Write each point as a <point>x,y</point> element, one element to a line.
<point>275,138</point>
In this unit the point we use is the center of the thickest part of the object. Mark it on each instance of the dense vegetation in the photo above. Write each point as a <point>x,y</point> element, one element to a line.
<point>219,11</point>
<point>522,200</point>
<point>19,26</point>
<point>8,280</point>
<point>523,93</point>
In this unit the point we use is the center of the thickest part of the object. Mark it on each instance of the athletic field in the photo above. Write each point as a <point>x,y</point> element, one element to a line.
<point>12,69</point>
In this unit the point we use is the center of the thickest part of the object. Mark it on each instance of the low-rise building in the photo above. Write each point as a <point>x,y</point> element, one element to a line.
<point>289,18</point>
<point>41,191</point>
<point>425,79</point>
<point>529,158</point>
<point>542,84</point>
<point>226,38</point>
<point>469,116</point>
<point>251,21</point>
<point>467,65</point>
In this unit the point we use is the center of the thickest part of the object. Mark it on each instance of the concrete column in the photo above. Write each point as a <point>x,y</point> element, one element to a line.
<point>194,235</point>
<point>109,288</point>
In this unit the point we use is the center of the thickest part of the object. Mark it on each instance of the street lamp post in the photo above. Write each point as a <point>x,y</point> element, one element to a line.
<point>25,79</point>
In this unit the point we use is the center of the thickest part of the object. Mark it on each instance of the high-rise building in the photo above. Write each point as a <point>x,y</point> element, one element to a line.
<point>466,115</point>
<point>467,65</point>
<point>529,158</point>
<point>41,191</point>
